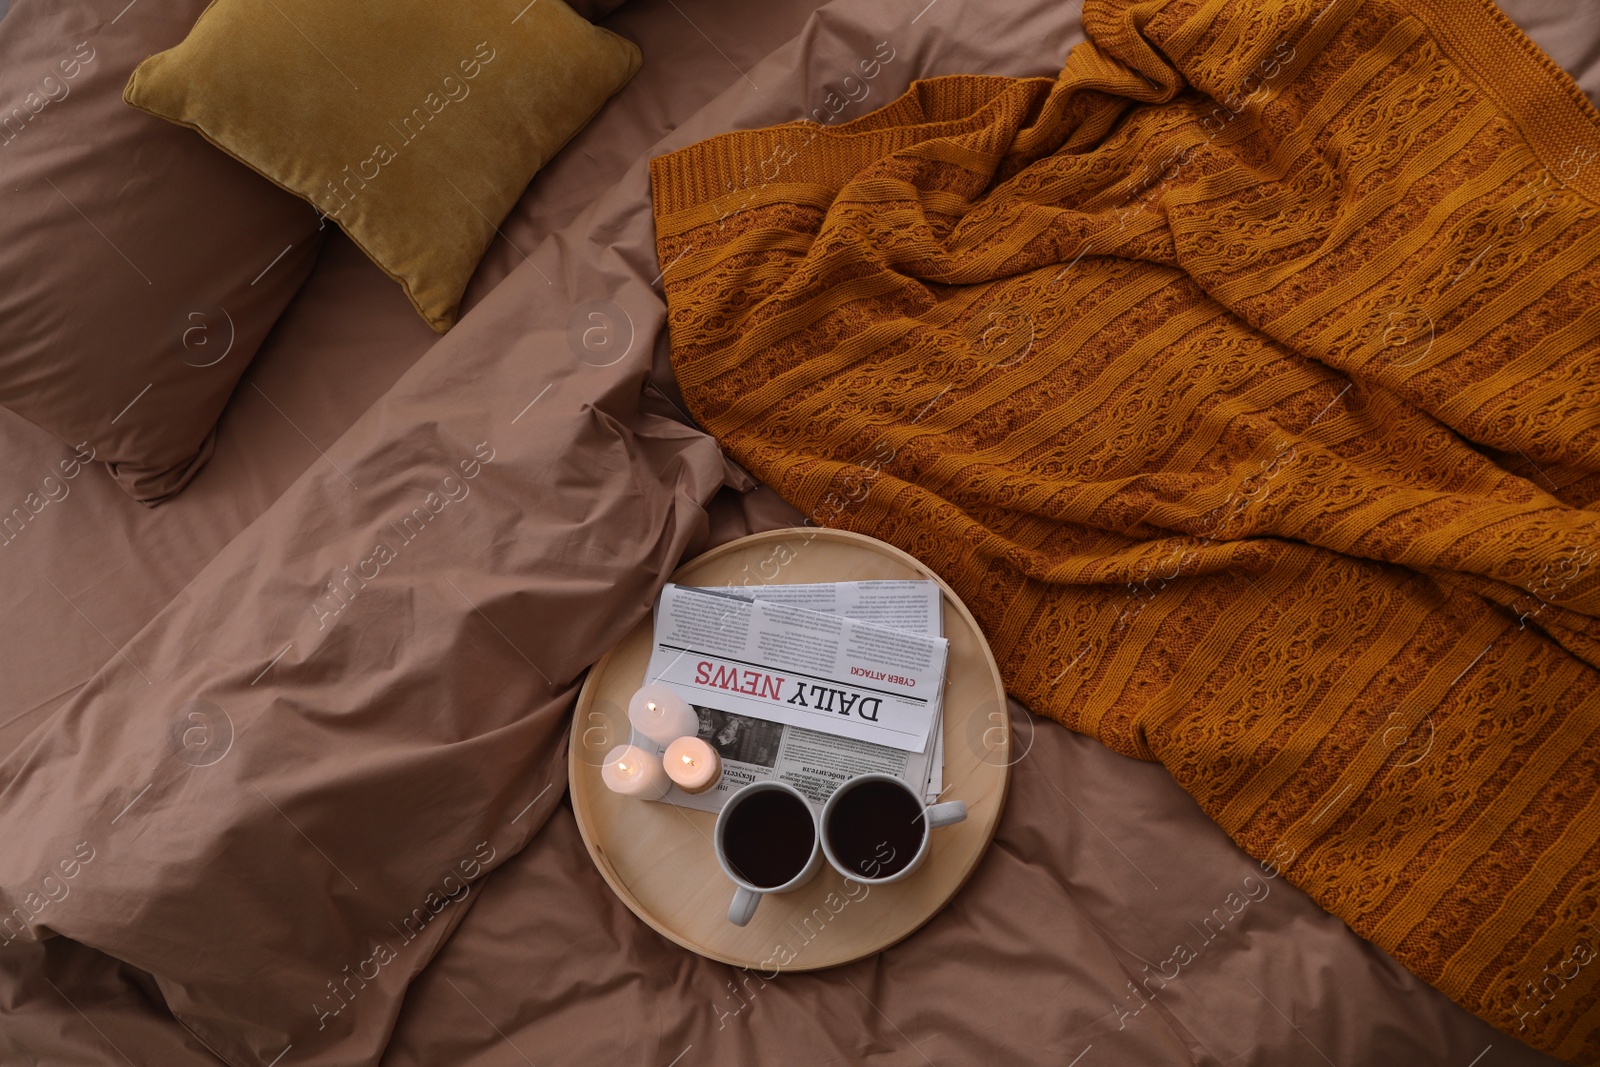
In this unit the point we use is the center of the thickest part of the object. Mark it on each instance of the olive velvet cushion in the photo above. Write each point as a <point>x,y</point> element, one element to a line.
<point>413,124</point>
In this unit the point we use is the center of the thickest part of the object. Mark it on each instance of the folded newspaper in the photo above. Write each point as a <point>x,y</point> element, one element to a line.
<point>808,684</point>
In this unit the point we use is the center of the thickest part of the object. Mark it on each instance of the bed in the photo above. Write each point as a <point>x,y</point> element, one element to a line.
<point>376,744</point>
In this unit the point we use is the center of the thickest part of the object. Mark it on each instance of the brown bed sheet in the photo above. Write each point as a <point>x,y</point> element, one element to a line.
<point>1087,884</point>
<point>88,571</point>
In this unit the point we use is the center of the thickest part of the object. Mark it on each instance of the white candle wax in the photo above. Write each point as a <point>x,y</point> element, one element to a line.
<point>633,772</point>
<point>661,715</point>
<point>693,765</point>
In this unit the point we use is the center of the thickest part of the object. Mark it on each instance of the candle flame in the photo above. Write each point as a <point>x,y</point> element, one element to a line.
<point>651,704</point>
<point>689,762</point>
<point>623,766</point>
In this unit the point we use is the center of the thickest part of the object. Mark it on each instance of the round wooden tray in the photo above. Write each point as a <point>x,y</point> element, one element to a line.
<point>657,857</point>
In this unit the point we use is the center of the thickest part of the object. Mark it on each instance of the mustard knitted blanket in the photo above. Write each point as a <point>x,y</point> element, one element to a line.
<point>1244,382</point>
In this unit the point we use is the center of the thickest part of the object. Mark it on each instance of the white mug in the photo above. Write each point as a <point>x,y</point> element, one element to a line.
<point>933,817</point>
<point>747,894</point>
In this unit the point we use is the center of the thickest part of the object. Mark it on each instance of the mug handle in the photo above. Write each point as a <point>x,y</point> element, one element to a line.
<point>951,811</point>
<point>742,908</point>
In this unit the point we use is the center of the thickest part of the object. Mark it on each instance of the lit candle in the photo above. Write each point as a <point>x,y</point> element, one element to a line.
<point>693,765</point>
<point>661,715</point>
<point>633,772</point>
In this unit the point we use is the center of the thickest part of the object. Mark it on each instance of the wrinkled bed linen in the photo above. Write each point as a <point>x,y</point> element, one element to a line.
<point>338,348</point>
<point>548,965</point>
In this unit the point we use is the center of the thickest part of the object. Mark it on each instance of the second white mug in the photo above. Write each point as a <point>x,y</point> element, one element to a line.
<point>876,829</point>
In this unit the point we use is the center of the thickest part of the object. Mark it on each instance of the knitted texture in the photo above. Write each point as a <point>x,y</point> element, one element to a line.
<point>1243,380</point>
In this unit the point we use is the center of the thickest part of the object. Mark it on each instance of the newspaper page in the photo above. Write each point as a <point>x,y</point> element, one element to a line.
<point>799,667</point>
<point>902,605</point>
<point>741,655</point>
<point>914,605</point>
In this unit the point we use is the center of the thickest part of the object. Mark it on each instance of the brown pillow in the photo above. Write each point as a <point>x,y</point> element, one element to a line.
<point>414,124</point>
<point>593,10</point>
<point>139,267</point>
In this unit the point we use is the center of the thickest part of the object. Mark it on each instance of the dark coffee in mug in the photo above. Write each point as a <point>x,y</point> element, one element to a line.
<point>768,837</point>
<point>876,828</point>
